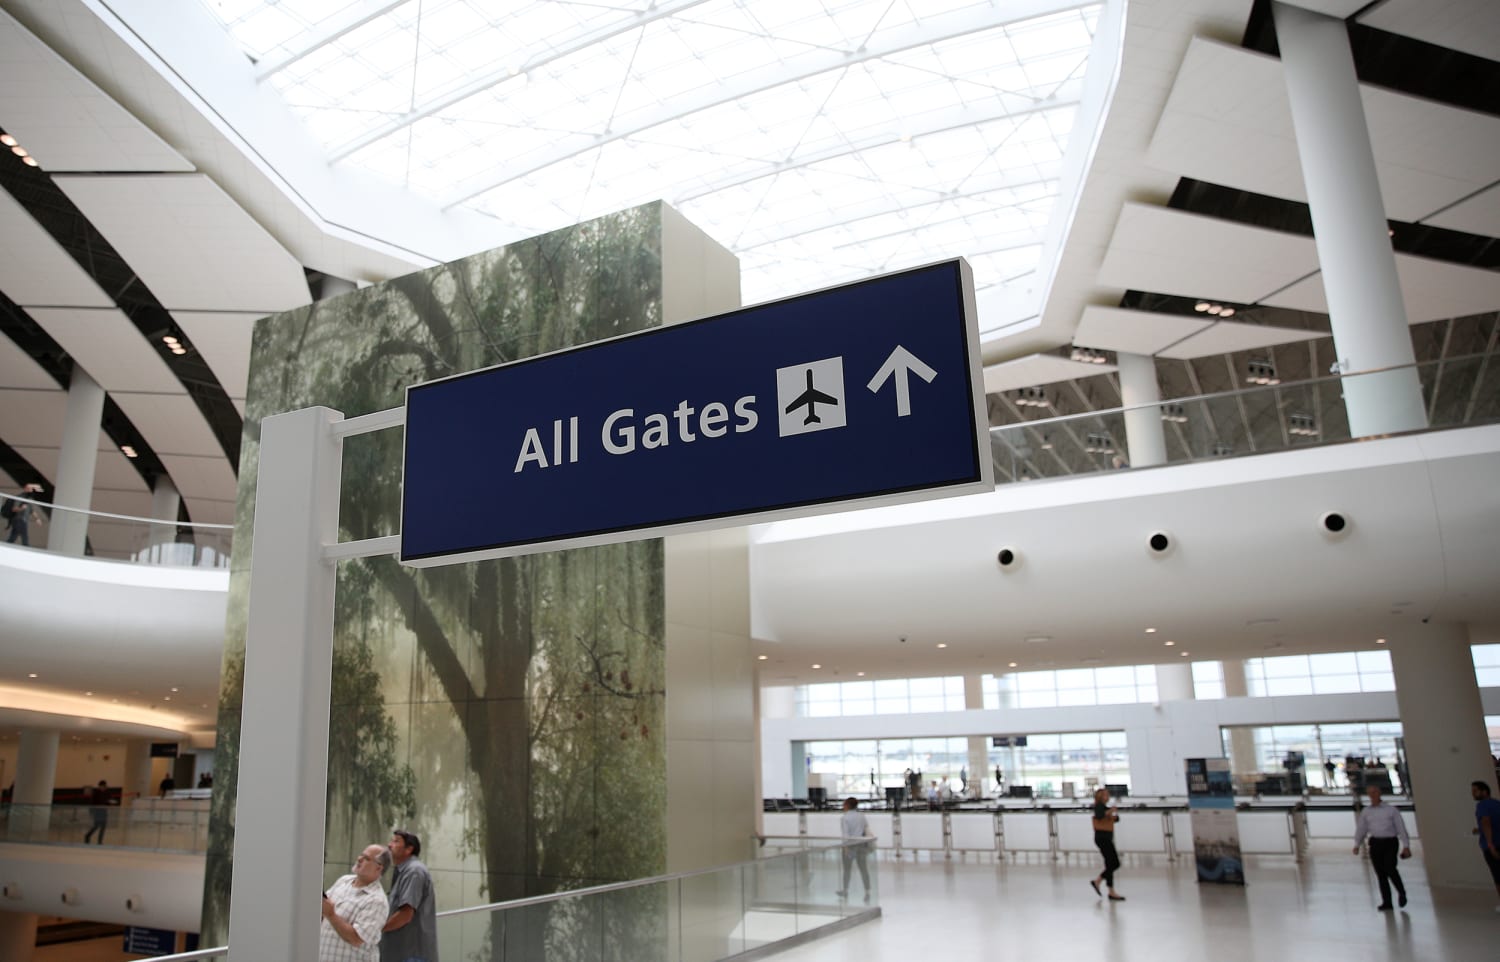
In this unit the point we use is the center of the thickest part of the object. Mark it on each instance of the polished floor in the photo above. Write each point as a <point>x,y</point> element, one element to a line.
<point>1319,910</point>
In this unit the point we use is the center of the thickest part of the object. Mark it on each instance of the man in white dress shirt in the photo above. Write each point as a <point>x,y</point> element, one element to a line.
<point>1384,827</point>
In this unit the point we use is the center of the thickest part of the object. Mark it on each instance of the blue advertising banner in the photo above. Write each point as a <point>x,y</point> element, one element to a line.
<point>855,396</point>
<point>1216,830</point>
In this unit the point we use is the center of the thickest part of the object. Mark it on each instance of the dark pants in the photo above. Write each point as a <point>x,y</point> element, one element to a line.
<point>856,855</point>
<point>101,818</point>
<point>1106,843</point>
<point>1383,853</point>
<point>18,530</point>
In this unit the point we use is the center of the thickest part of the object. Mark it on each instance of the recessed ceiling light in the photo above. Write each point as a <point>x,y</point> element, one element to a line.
<point>1150,631</point>
<point>942,644</point>
<point>166,697</point>
<point>32,675</point>
<point>174,689</point>
<point>1169,644</point>
<point>1201,306</point>
<point>860,674</point>
<point>1378,641</point>
<point>168,339</point>
<point>7,140</point>
<point>761,657</point>
<point>29,161</point>
<point>128,451</point>
<point>1013,664</point>
<point>19,151</point>
<point>817,666</point>
<point>89,693</point>
<point>1186,653</point>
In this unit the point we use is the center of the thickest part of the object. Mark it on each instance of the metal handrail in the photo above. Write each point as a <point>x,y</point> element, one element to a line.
<point>634,883</point>
<point>117,517</point>
<point>1234,392</point>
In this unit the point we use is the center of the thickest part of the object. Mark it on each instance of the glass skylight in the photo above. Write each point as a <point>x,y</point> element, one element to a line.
<point>820,141</point>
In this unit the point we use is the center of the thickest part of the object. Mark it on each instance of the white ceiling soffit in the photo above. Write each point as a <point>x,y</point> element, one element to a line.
<point>1433,290</point>
<point>65,121</point>
<point>1470,26</point>
<point>1134,332</point>
<point>18,370</point>
<point>193,246</point>
<point>1173,252</point>
<point>207,485</point>
<point>223,339</point>
<point>34,269</point>
<point>171,424</point>
<point>1226,337</point>
<point>1228,121</point>
<point>112,470</point>
<point>1479,214</point>
<point>136,503</point>
<point>1038,369</point>
<point>1190,255</point>
<point>32,418</point>
<point>1342,9</point>
<point>109,348</point>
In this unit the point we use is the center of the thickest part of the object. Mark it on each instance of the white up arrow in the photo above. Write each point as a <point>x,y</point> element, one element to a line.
<point>901,363</point>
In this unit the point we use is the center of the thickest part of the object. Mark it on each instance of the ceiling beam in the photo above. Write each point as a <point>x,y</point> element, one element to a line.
<point>535,58</point>
<point>333,28</point>
<point>790,70</point>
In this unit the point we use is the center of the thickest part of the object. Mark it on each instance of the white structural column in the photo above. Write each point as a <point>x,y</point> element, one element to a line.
<point>1174,682</point>
<point>1242,757</point>
<point>280,809</point>
<point>1143,431</point>
<point>1447,747</point>
<point>165,505</point>
<point>75,464</point>
<point>137,781</point>
<point>36,774</point>
<point>1354,248</point>
<point>17,936</point>
<point>979,753</point>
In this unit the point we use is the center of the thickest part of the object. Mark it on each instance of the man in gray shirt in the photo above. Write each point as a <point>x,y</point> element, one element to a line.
<point>1383,825</point>
<point>854,826</point>
<point>411,930</point>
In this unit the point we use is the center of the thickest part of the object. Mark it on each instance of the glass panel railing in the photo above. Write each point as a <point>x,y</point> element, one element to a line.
<point>1256,420</point>
<point>154,827</point>
<point>692,917</point>
<point>121,537</point>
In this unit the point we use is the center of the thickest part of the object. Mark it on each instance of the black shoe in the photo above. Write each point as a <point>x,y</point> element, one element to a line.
<point>1383,908</point>
<point>1401,900</point>
<point>1095,884</point>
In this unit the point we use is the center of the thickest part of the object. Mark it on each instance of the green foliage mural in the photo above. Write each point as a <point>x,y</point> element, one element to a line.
<point>510,712</point>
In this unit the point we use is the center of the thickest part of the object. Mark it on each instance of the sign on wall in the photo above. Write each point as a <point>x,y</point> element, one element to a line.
<point>854,396</point>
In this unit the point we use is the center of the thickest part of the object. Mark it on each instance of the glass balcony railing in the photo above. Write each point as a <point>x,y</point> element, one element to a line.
<point>121,537</point>
<point>1457,392</point>
<point>692,917</point>
<point>153,827</point>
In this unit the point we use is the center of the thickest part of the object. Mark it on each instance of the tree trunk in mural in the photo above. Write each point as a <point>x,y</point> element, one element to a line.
<point>549,668</point>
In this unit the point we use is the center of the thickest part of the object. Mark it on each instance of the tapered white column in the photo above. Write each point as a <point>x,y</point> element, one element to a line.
<point>75,464</point>
<point>17,936</point>
<point>1143,431</point>
<point>1447,747</point>
<point>36,775</point>
<point>1242,755</point>
<point>137,781</point>
<point>979,752</point>
<point>280,808</point>
<point>1365,308</point>
<point>165,505</point>
<point>1174,682</point>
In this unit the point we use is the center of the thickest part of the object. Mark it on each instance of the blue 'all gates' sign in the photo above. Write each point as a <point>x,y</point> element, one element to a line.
<point>850,397</point>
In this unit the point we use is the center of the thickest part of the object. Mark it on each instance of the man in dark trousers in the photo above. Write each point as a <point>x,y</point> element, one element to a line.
<point>411,929</point>
<point>98,811</point>
<point>1386,830</point>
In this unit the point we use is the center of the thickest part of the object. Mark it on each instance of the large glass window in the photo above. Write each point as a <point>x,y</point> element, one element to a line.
<point>890,696</point>
<point>1487,665</point>
<point>1051,763</point>
<point>864,768</point>
<point>1347,671</point>
<point>1374,741</point>
<point>1208,680</point>
<point>1124,685</point>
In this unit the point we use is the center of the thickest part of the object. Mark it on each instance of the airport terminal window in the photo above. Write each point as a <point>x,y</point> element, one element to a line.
<point>1369,740</point>
<point>1127,684</point>
<point>845,766</point>
<point>890,696</point>
<point>1348,671</point>
<point>1208,680</point>
<point>1046,762</point>
<point>1487,666</point>
<point>1492,725</point>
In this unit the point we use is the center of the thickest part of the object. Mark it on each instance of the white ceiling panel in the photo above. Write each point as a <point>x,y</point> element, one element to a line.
<point>1037,369</point>
<point>34,269</point>
<point>136,504</point>
<point>1341,9</point>
<point>1228,121</point>
<point>113,471</point>
<point>210,511</point>
<point>66,121</point>
<point>224,341</point>
<point>32,418</point>
<point>1479,214</point>
<point>1134,332</point>
<point>18,370</point>
<point>1173,252</point>
<point>1472,26</point>
<point>201,478</point>
<point>109,347</point>
<point>194,247</point>
<point>1226,337</point>
<point>171,424</point>
<point>1432,290</point>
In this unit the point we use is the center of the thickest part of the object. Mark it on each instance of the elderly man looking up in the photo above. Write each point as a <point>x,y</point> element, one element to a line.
<point>354,911</point>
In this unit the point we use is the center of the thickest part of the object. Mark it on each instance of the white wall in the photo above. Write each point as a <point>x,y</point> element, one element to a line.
<point>1158,737</point>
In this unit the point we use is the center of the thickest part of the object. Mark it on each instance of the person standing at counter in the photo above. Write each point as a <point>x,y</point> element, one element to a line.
<point>1383,825</point>
<point>1104,837</point>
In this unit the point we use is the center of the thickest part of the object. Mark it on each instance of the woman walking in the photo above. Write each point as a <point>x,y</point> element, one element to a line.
<point>1104,837</point>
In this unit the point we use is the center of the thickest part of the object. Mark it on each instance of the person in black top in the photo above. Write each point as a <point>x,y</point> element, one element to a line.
<point>98,811</point>
<point>1104,837</point>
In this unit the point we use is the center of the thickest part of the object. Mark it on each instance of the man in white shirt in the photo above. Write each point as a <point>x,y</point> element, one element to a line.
<point>854,826</point>
<point>1384,827</point>
<point>355,910</point>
